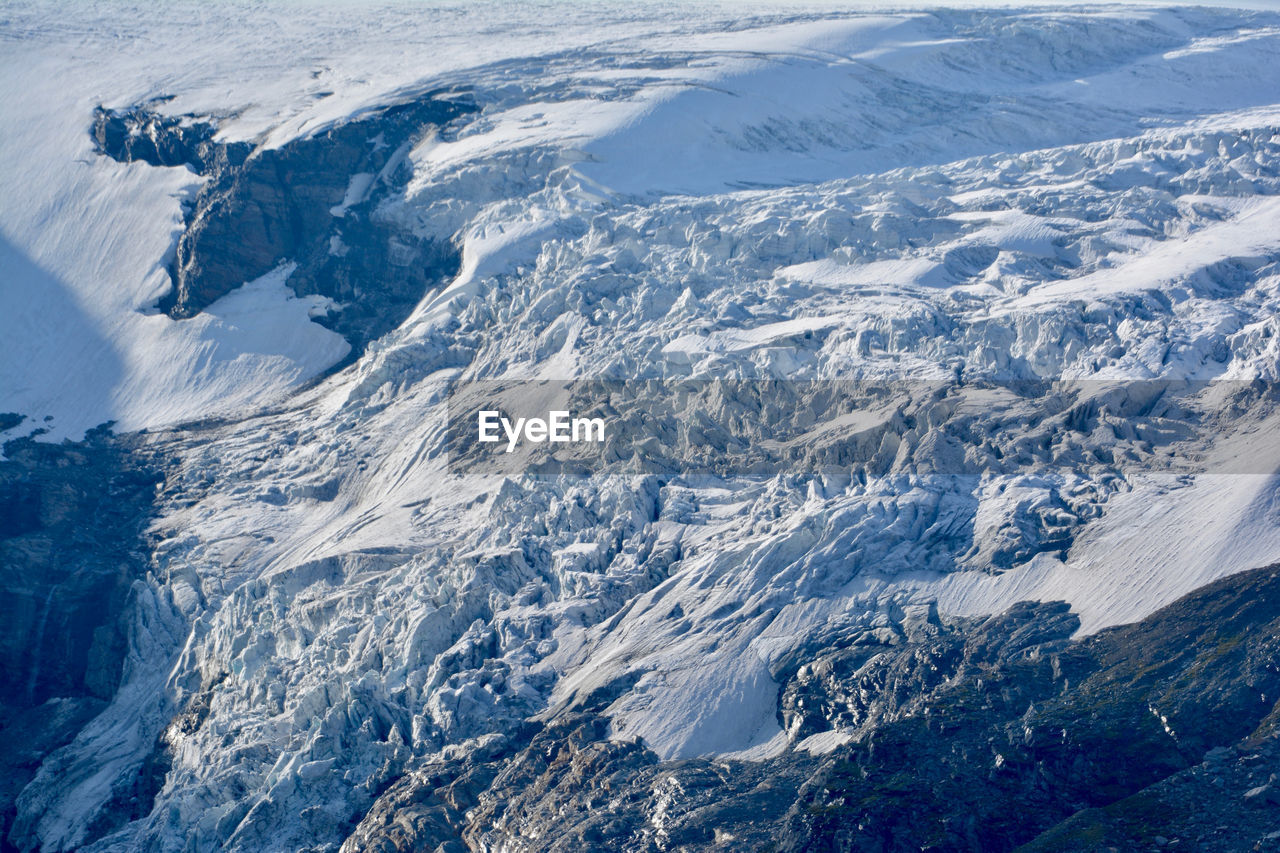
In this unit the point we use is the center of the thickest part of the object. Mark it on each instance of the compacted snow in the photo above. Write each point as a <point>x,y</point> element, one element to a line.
<point>644,192</point>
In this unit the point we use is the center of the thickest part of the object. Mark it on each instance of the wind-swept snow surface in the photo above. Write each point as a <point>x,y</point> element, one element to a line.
<point>640,193</point>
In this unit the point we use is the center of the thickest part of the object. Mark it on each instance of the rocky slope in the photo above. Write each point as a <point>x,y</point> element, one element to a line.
<point>261,208</point>
<point>989,734</point>
<point>72,543</point>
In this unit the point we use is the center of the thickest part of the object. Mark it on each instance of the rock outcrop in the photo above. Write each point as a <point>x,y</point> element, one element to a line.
<point>311,201</point>
<point>73,523</point>
<point>959,735</point>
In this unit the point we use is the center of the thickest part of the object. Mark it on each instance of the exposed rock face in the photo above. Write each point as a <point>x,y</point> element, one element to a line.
<point>965,735</point>
<point>139,133</point>
<point>72,520</point>
<point>71,534</point>
<point>312,201</point>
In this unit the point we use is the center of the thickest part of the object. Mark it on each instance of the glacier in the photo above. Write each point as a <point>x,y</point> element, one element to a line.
<point>327,612</point>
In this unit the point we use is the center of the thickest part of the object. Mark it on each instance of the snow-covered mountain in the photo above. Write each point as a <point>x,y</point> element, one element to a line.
<point>268,245</point>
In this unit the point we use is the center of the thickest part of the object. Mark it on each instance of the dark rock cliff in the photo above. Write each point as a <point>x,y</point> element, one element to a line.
<point>312,201</point>
<point>968,735</point>
<point>73,521</point>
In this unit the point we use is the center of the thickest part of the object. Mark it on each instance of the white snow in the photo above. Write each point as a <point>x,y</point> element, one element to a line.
<point>811,194</point>
<point>85,241</point>
<point>1159,265</point>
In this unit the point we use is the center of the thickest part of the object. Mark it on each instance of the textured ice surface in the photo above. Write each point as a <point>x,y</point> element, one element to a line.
<point>1008,194</point>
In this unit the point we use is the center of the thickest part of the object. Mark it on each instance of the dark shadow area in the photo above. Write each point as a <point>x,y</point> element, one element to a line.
<point>72,541</point>
<point>72,522</point>
<point>51,351</point>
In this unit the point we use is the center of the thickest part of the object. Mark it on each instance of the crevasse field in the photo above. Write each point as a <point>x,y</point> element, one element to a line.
<point>326,637</point>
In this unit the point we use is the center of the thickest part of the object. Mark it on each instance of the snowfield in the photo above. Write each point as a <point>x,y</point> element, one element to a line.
<point>1085,194</point>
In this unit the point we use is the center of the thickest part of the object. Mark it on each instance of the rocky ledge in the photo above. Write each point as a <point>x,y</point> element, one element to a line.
<point>993,734</point>
<point>73,521</point>
<point>312,201</point>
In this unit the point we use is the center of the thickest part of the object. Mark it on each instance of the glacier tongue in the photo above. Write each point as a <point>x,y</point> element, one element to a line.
<point>809,196</point>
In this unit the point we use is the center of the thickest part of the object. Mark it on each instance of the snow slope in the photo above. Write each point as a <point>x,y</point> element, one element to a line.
<point>811,194</point>
<point>86,240</point>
